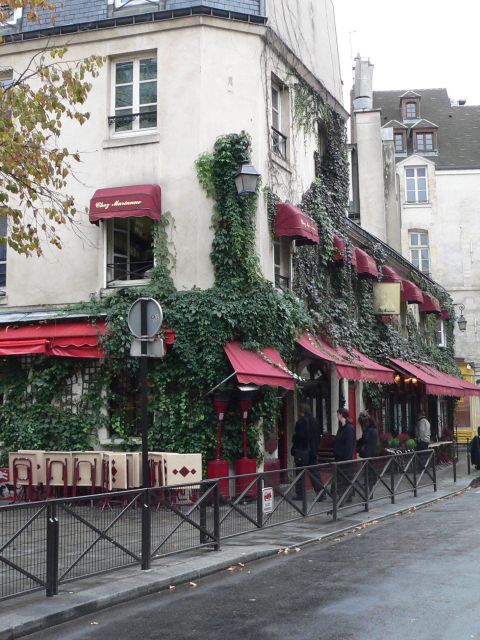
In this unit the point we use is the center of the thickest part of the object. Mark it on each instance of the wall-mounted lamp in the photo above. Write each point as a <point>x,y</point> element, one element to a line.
<point>462,321</point>
<point>246,179</point>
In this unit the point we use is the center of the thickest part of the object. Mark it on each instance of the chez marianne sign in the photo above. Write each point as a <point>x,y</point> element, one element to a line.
<point>126,202</point>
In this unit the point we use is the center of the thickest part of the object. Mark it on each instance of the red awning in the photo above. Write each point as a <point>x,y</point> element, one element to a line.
<point>469,389</point>
<point>364,264</point>
<point>264,367</point>
<point>430,304</point>
<point>73,339</point>
<point>292,222</point>
<point>390,276</point>
<point>444,315</point>
<point>339,246</point>
<point>126,202</point>
<point>410,293</point>
<point>436,382</point>
<point>354,366</point>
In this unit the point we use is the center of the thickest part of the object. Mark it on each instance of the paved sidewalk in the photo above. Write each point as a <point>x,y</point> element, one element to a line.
<point>34,612</point>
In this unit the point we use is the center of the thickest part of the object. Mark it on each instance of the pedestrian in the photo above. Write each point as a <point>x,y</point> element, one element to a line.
<point>305,441</point>
<point>422,431</point>
<point>367,444</point>
<point>475,450</point>
<point>343,450</point>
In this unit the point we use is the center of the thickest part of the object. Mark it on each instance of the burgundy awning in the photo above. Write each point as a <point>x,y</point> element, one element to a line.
<point>354,366</point>
<point>436,382</point>
<point>126,202</point>
<point>365,264</point>
<point>295,224</point>
<point>411,293</point>
<point>390,276</point>
<point>430,304</point>
<point>264,367</point>
<point>469,389</point>
<point>73,339</point>
<point>339,246</point>
<point>444,315</point>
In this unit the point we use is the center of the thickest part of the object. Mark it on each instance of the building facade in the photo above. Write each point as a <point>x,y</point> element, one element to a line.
<point>417,188</point>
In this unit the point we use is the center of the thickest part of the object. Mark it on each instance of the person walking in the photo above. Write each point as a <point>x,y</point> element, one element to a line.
<point>475,450</point>
<point>343,450</point>
<point>367,444</point>
<point>305,441</point>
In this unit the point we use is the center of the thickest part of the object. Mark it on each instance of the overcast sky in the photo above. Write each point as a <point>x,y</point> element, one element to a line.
<point>422,45</point>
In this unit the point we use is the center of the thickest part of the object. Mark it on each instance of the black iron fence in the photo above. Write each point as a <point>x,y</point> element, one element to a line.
<point>45,544</point>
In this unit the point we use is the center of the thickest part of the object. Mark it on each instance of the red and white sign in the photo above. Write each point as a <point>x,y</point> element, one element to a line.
<point>267,500</point>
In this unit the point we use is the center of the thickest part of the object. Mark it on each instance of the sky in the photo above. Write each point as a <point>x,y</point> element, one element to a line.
<point>419,45</point>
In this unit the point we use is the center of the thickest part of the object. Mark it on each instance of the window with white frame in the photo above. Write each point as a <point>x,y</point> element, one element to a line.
<point>281,263</point>
<point>420,250</point>
<point>9,16</point>
<point>416,184</point>
<point>118,4</point>
<point>134,95</point>
<point>129,249</point>
<point>279,119</point>
<point>424,141</point>
<point>441,333</point>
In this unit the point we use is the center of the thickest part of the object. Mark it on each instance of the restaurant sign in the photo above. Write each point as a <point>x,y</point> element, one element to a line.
<point>386,298</point>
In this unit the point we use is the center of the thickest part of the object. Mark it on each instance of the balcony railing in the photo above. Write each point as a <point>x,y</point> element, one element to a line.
<point>279,143</point>
<point>128,271</point>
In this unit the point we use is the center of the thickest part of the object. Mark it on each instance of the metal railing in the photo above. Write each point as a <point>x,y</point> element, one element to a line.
<point>44,544</point>
<point>127,270</point>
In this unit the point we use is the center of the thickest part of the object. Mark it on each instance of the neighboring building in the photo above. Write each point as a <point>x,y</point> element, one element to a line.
<point>416,158</point>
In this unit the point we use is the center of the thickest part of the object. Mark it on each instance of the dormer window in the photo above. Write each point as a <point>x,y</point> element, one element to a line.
<point>424,141</point>
<point>400,141</point>
<point>411,110</point>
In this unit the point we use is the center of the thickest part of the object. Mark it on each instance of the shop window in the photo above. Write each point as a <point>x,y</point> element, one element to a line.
<point>134,95</point>
<point>420,250</point>
<point>129,249</point>
<point>280,120</point>
<point>416,184</point>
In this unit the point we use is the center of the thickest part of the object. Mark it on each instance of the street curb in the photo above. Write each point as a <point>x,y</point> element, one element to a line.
<point>139,591</point>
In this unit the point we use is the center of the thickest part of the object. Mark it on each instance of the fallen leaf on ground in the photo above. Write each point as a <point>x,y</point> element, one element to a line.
<point>232,569</point>
<point>240,564</point>
<point>172,587</point>
<point>193,584</point>
<point>297,549</point>
<point>94,622</point>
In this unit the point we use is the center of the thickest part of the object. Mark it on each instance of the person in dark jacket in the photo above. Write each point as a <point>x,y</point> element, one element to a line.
<point>343,450</point>
<point>305,443</point>
<point>367,445</point>
<point>475,450</point>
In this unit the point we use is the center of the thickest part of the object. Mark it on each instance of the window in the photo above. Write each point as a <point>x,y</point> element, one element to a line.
<point>416,184</point>
<point>280,122</point>
<point>281,264</point>
<point>399,142</point>
<point>3,252</point>
<point>6,78</point>
<point>9,16</point>
<point>126,3</point>
<point>411,110</point>
<point>441,335</point>
<point>424,141</point>
<point>130,249</point>
<point>419,251</point>
<point>134,95</point>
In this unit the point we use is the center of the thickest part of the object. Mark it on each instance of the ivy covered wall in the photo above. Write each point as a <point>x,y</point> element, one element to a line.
<point>243,305</point>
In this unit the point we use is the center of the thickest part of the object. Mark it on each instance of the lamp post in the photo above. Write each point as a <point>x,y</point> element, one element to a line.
<point>218,468</point>
<point>246,179</point>
<point>462,321</point>
<point>245,465</point>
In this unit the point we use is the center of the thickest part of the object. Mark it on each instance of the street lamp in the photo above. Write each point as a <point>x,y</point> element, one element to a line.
<point>246,179</point>
<point>462,321</point>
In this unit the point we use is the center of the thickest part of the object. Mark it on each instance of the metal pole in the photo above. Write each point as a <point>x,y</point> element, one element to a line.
<point>52,550</point>
<point>144,395</point>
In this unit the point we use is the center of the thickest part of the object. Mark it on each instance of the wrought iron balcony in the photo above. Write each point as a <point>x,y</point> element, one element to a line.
<point>279,143</point>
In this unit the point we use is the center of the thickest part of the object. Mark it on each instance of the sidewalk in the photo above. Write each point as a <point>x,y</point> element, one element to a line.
<point>34,612</point>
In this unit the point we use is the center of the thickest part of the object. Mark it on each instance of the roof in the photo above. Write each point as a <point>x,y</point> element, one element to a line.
<point>458,127</point>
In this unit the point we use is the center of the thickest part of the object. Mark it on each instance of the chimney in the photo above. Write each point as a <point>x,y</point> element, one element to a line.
<point>362,88</point>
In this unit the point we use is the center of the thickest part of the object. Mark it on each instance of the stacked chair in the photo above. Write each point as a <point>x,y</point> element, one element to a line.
<point>47,474</point>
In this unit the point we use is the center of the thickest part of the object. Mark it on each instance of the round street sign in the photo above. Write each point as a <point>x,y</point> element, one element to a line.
<point>153,317</point>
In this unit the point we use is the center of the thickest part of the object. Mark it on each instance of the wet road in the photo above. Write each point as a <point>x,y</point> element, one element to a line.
<point>416,577</point>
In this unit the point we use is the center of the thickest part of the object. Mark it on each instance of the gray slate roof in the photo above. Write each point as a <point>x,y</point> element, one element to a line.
<point>458,127</point>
